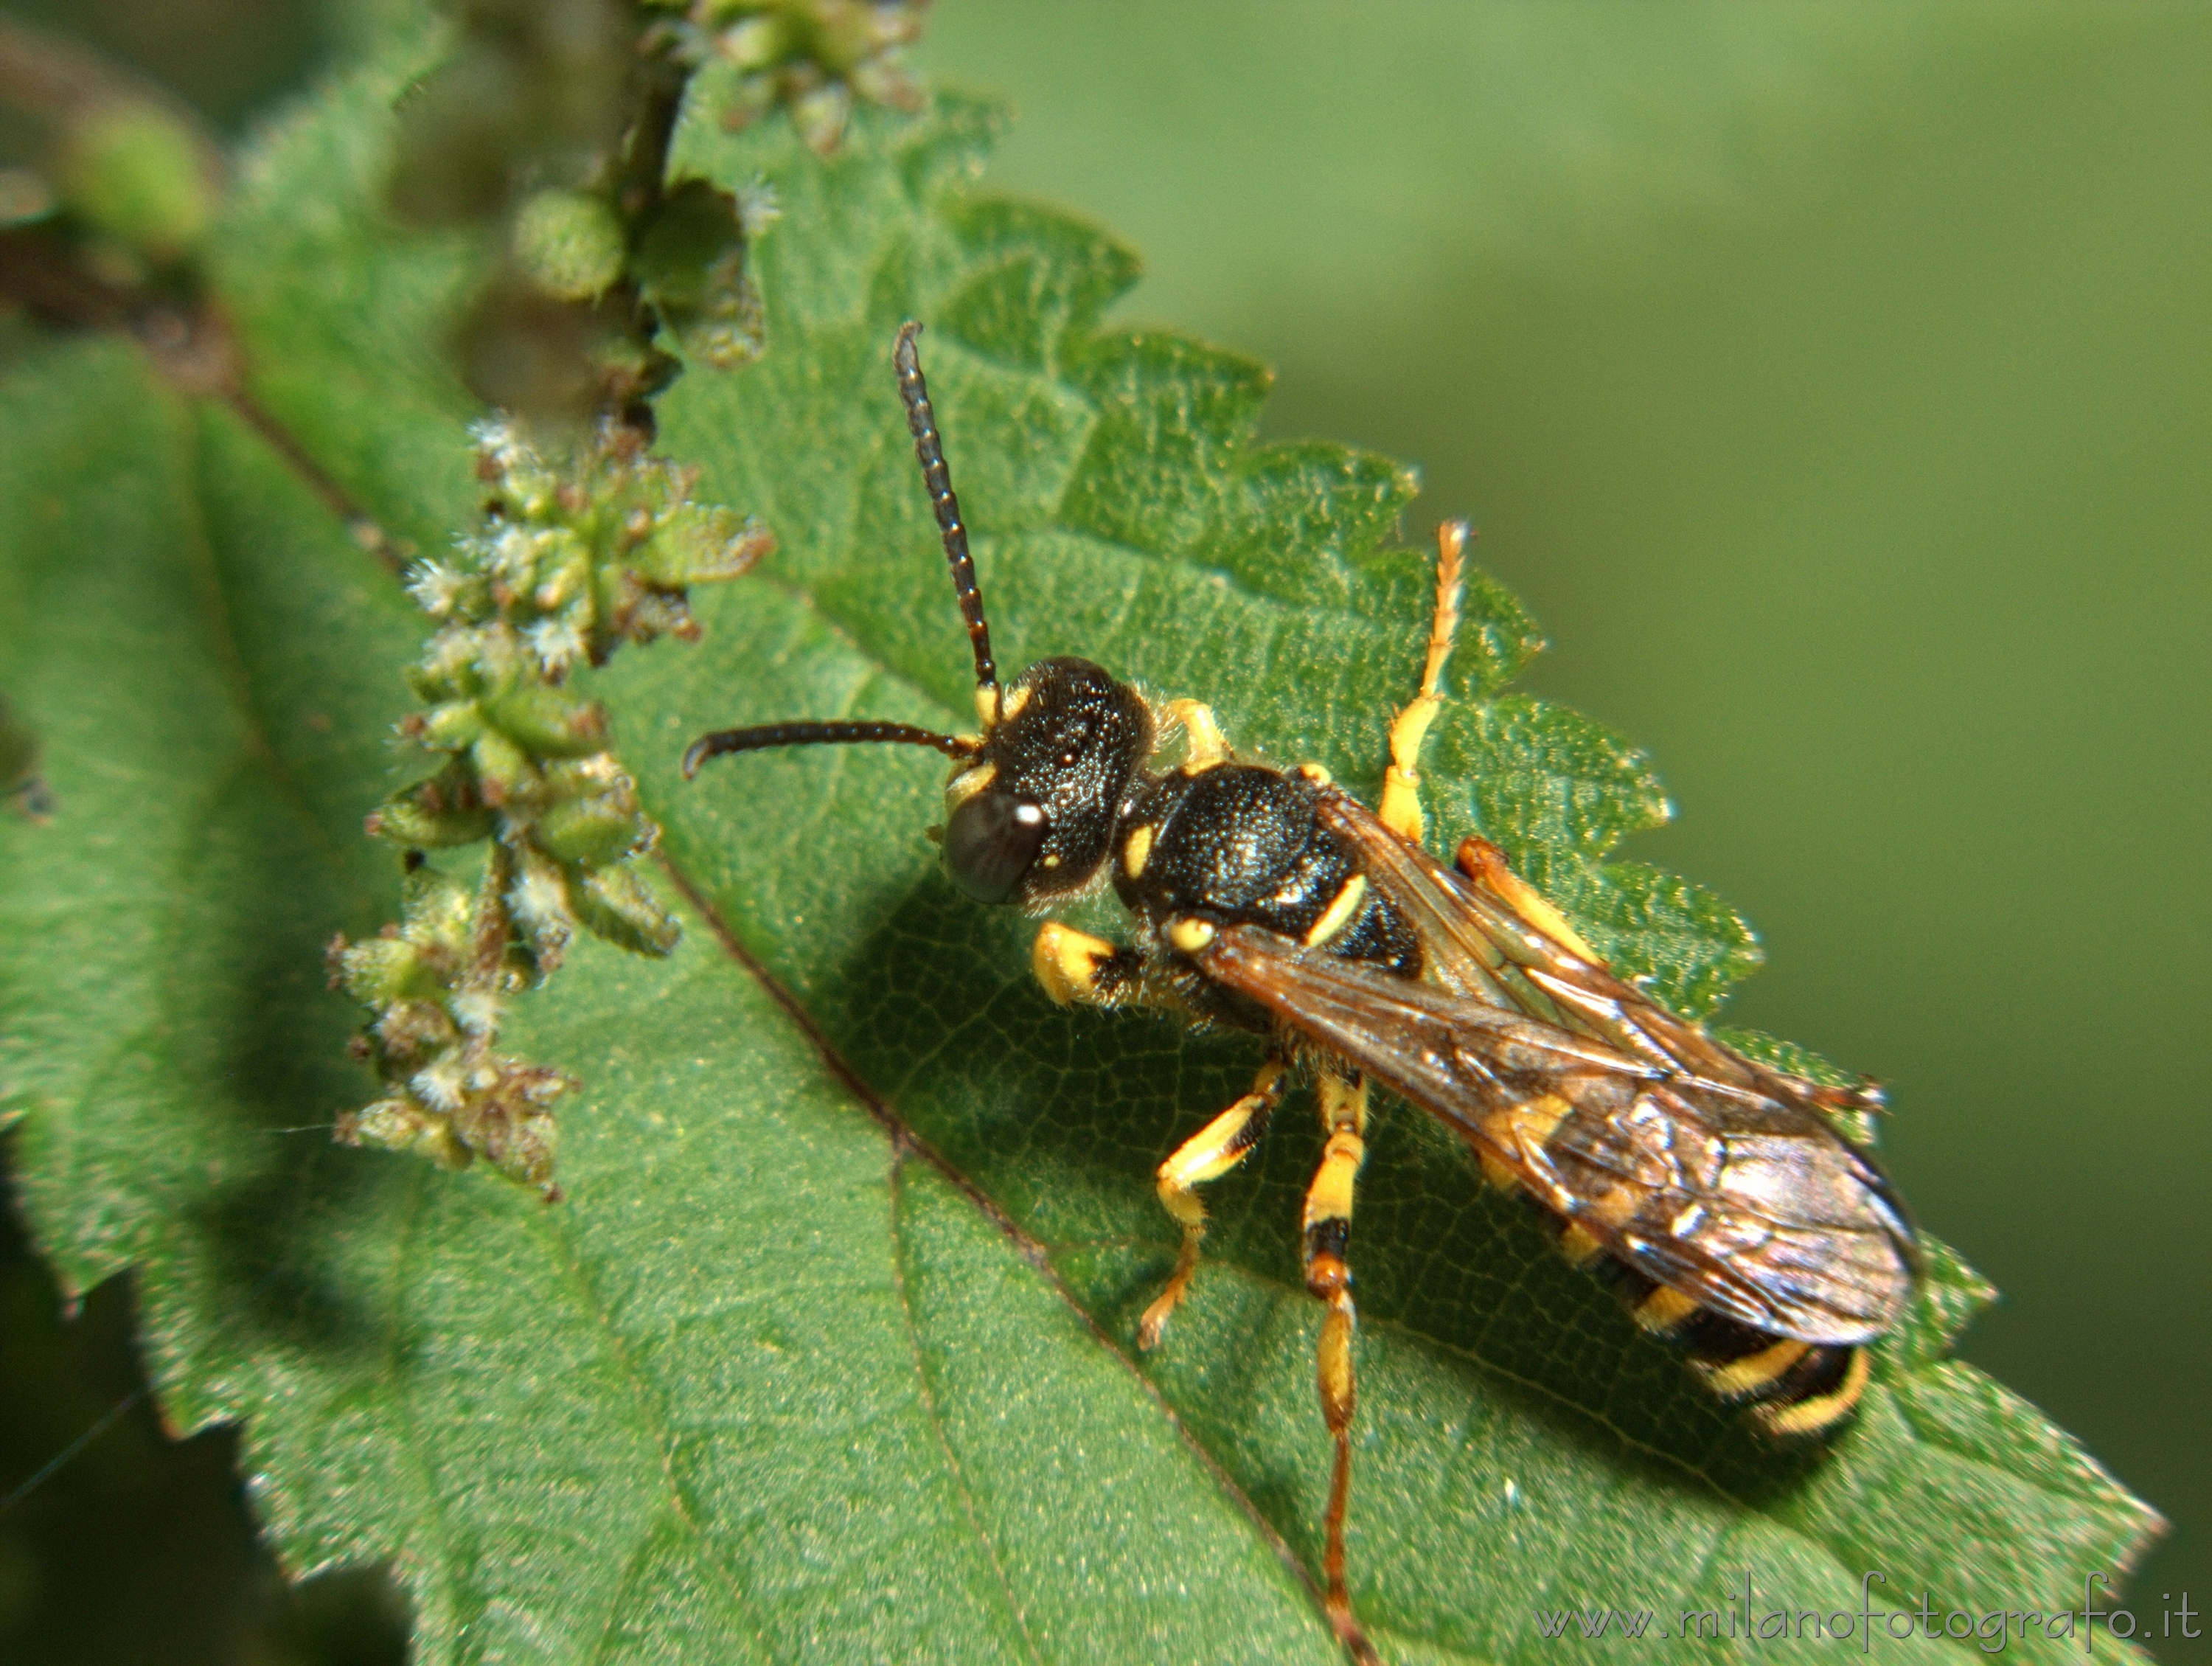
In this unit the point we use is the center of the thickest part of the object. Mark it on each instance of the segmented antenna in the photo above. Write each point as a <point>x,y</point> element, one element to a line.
<point>818,734</point>
<point>930,452</point>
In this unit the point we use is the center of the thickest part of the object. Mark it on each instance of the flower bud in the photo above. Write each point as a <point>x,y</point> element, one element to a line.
<point>138,173</point>
<point>435,911</point>
<point>700,545</point>
<point>382,969</point>
<point>504,771</point>
<point>402,1125</point>
<point>570,242</point>
<point>538,903</point>
<point>593,832</point>
<point>445,810</point>
<point>616,905</point>
<point>544,721</point>
<point>450,727</point>
<point>754,44</point>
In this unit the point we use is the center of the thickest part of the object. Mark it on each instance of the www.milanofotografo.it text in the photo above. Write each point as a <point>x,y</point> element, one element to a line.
<point>1746,1614</point>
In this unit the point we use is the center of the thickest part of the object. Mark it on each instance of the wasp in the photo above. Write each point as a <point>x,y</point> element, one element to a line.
<point>1718,1192</point>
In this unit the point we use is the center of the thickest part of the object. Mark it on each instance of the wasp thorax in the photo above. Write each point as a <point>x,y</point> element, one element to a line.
<point>1031,817</point>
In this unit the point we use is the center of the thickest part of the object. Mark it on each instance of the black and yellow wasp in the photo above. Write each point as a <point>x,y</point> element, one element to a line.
<point>1741,1222</point>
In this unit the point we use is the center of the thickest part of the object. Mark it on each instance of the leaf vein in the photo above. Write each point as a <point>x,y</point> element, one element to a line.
<point>651,1404</point>
<point>935,1415</point>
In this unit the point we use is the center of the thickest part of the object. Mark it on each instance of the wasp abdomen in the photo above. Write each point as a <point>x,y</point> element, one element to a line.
<point>1798,1389</point>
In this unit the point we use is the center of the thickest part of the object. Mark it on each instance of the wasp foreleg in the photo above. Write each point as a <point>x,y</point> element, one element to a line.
<point>1211,1153</point>
<point>1074,966</point>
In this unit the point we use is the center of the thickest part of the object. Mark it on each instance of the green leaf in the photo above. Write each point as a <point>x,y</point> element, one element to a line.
<point>828,1353</point>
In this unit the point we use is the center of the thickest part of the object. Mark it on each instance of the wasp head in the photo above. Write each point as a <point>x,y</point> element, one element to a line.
<point>1031,817</point>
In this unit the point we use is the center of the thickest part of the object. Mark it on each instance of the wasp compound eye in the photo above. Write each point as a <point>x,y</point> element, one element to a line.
<point>990,843</point>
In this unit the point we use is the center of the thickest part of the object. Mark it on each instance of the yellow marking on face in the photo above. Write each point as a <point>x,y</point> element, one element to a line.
<point>1808,1417</point>
<point>1316,774</point>
<point>1138,850</point>
<point>1753,1370</point>
<point>1204,745</point>
<point>1189,935</point>
<point>1012,701</point>
<point>969,782</point>
<point>1664,1308</point>
<point>1578,1244</point>
<point>1050,859</point>
<point>1065,962</point>
<point>1337,914</point>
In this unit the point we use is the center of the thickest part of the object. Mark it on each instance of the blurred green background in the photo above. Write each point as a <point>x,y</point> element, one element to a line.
<point>1835,382</point>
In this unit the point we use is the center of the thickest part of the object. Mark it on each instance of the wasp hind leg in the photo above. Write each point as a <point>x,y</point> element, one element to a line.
<point>1486,864</point>
<point>1400,809</point>
<point>1328,1276</point>
<point>1207,1155</point>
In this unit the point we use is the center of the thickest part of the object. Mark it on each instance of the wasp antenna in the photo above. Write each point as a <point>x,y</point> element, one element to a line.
<point>1452,539</point>
<point>819,734</point>
<point>929,450</point>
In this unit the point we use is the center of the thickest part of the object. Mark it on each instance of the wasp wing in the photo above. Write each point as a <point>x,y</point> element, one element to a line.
<point>1479,945</point>
<point>1752,1206</point>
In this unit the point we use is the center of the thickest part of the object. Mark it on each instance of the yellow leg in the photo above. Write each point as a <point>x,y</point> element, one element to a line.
<point>1328,1231</point>
<point>1211,1153</point>
<point>1400,809</point>
<point>1485,863</point>
<point>1075,966</point>
<point>1204,745</point>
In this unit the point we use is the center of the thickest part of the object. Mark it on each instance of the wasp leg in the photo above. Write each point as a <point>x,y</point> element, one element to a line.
<point>1204,745</point>
<point>1207,1155</point>
<point>1400,809</point>
<point>1485,863</point>
<point>1075,966</point>
<point>1327,1231</point>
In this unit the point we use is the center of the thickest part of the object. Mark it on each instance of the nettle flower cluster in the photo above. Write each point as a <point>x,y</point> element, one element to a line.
<point>566,568</point>
<point>815,56</point>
